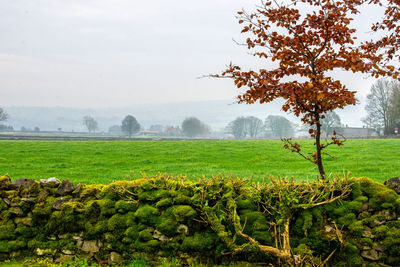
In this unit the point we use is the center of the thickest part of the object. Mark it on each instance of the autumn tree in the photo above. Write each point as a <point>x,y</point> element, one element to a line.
<point>387,47</point>
<point>301,42</point>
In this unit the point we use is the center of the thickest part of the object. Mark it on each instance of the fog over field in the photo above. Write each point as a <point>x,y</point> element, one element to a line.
<point>217,114</point>
<point>142,57</point>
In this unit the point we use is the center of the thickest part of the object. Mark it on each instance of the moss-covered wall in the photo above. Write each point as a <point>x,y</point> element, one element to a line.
<point>347,222</point>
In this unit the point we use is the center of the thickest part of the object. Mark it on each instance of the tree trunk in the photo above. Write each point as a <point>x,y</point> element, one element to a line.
<point>319,156</point>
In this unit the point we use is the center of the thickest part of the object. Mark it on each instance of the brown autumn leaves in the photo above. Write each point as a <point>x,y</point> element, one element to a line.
<point>306,46</point>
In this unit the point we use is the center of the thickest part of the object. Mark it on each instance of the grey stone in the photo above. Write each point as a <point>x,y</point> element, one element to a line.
<point>370,254</point>
<point>17,211</point>
<point>65,258</point>
<point>91,246</point>
<point>28,200</point>
<point>7,201</point>
<point>365,206</point>
<point>393,183</point>
<point>63,236</point>
<point>115,258</point>
<point>158,235</point>
<point>58,203</point>
<point>25,220</point>
<point>48,251</point>
<point>183,229</point>
<point>67,252</point>
<point>21,182</point>
<point>378,247</point>
<point>65,188</point>
<point>377,222</point>
<point>367,232</point>
<point>78,189</point>
<point>52,237</point>
<point>389,215</point>
<point>5,182</point>
<point>50,182</point>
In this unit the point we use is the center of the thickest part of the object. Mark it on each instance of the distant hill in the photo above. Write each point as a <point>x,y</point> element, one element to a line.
<point>217,114</point>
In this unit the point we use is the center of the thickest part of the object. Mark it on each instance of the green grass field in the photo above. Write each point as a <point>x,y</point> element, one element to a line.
<point>104,162</point>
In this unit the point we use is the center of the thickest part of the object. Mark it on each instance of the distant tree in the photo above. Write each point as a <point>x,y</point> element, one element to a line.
<point>115,129</point>
<point>90,123</point>
<point>378,103</point>
<point>331,123</point>
<point>156,128</point>
<point>237,127</point>
<point>36,129</point>
<point>394,108</point>
<point>253,126</point>
<point>3,115</point>
<point>279,126</point>
<point>130,125</point>
<point>192,127</point>
<point>23,129</point>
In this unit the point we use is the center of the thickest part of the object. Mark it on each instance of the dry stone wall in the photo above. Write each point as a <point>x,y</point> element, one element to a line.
<point>161,217</point>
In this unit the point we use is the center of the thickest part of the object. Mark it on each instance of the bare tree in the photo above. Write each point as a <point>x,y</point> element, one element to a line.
<point>279,126</point>
<point>394,109</point>
<point>331,123</point>
<point>378,104</point>
<point>253,125</point>
<point>90,123</point>
<point>237,127</point>
<point>3,115</point>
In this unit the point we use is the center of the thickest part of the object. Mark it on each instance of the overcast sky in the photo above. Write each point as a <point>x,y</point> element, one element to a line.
<point>105,53</point>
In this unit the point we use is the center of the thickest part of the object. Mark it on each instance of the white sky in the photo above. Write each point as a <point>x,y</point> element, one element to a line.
<point>104,53</point>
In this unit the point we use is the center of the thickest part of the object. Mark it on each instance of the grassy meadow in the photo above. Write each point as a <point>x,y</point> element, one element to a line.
<point>103,162</point>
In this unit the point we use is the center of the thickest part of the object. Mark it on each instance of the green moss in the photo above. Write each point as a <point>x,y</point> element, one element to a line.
<point>43,209</point>
<point>148,215</point>
<point>7,230</point>
<point>25,231</point>
<point>3,205</point>
<point>145,235</point>
<point>302,250</point>
<point>117,221</point>
<point>132,233</point>
<point>107,207</point>
<point>166,202</point>
<point>356,228</point>
<point>72,207</point>
<point>246,204</point>
<point>183,212</point>
<point>307,220</point>
<point>95,231</point>
<point>92,210</point>
<point>380,231</point>
<point>347,219</point>
<point>182,199</point>
<point>200,242</point>
<point>10,246</point>
<point>123,206</point>
<point>167,226</point>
